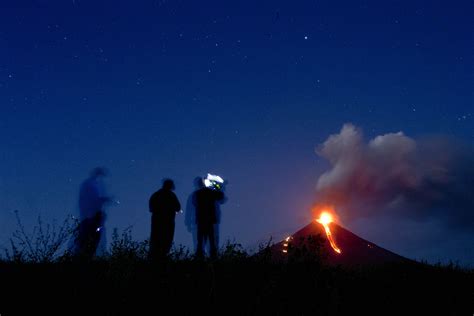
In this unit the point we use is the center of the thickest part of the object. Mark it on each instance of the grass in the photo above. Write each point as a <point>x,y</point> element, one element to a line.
<point>236,283</point>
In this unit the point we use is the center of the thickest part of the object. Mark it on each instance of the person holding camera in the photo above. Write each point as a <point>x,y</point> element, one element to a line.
<point>207,201</point>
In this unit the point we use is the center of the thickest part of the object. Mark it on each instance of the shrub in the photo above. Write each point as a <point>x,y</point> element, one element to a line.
<point>123,247</point>
<point>43,244</point>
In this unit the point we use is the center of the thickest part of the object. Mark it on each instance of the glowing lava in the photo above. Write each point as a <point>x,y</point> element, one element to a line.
<point>325,219</point>
<point>285,244</point>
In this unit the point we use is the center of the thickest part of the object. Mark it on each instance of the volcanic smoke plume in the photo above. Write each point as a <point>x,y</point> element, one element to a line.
<point>395,174</point>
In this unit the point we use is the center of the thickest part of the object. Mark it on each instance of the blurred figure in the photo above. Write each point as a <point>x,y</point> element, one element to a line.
<point>206,201</point>
<point>190,216</point>
<point>92,201</point>
<point>163,205</point>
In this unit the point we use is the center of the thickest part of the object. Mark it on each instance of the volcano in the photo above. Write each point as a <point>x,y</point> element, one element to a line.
<point>353,249</point>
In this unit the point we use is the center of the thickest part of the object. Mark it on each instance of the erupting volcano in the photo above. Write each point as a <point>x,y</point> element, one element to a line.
<point>340,246</point>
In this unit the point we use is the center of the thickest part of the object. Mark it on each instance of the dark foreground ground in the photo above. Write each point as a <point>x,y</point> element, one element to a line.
<point>235,284</point>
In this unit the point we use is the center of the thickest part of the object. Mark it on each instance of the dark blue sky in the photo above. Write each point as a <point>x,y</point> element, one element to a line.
<point>244,89</point>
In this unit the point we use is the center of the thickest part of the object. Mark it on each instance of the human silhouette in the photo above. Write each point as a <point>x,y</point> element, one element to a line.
<point>92,201</point>
<point>206,201</point>
<point>163,205</point>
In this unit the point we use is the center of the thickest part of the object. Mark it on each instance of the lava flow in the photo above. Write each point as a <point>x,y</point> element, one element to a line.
<point>325,219</point>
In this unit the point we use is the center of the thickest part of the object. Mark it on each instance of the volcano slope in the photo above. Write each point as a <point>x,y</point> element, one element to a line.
<point>354,250</point>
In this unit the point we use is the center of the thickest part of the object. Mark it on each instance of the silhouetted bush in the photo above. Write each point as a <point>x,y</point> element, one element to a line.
<point>45,243</point>
<point>123,247</point>
<point>235,283</point>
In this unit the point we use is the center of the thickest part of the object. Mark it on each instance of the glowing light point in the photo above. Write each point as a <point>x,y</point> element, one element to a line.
<point>213,181</point>
<point>325,218</point>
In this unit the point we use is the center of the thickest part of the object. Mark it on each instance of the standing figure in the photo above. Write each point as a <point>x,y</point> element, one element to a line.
<point>190,215</point>
<point>207,214</point>
<point>92,202</point>
<point>163,205</point>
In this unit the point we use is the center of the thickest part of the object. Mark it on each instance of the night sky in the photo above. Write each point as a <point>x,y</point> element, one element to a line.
<point>243,89</point>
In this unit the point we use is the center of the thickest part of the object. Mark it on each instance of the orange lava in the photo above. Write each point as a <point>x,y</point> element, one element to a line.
<point>325,219</point>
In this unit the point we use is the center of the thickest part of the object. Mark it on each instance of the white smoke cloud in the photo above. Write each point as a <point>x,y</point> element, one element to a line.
<point>395,173</point>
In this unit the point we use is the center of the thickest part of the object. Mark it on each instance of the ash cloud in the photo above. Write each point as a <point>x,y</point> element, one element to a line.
<point>394,174</point>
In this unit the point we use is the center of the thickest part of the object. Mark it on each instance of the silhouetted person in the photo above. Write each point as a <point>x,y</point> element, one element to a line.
<point>92,201</point>
<point>190,216</point>
<point>207,216</point>
<point>163,205</point>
